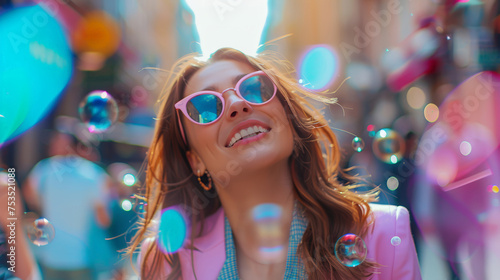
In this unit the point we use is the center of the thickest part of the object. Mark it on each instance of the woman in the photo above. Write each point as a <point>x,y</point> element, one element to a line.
<point>235,135</point>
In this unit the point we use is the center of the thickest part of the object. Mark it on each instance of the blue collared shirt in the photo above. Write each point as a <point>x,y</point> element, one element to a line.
<point>294,268</point>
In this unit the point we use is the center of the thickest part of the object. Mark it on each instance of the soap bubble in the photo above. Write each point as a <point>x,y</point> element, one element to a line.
<point>98,110</point>
<point>267,219</point>
<point>358,144</point>
<point>41,232</point>
<point>388,146</point>
<point>173,231</point>
<point>350,250</point>
<point>396,240</point>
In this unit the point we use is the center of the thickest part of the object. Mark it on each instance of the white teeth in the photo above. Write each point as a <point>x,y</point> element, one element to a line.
<point>251,131</point>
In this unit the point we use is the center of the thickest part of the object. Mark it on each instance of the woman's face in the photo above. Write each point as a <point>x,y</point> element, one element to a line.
<point>211,144</point>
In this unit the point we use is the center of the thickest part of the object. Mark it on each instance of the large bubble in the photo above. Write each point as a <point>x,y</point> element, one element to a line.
<point>267,220</point>
<point>350,250</point>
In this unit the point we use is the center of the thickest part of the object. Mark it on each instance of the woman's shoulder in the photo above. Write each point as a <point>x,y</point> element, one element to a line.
<point>390,243</point>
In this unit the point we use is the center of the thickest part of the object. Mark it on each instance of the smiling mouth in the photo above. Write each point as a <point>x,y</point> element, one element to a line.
<point>247,133</point>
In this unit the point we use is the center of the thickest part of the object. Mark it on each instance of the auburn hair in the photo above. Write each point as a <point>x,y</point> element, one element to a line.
<point>325,191</point>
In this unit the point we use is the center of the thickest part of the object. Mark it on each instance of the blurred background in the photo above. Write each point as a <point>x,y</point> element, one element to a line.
<point>417,83</point>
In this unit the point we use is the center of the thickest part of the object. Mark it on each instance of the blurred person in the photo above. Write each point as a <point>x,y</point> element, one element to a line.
<point>236,133</point>
<point>70,192</point>
<point>25,266</point>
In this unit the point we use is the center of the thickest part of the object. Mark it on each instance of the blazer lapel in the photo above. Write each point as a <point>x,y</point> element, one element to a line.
<point>211,254</point>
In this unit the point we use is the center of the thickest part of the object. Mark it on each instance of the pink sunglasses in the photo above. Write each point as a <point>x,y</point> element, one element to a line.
<point>206,107</point>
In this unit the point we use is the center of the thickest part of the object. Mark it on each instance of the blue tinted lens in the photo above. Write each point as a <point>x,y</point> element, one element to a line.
<point>204,108</point>
<point>257,89</point>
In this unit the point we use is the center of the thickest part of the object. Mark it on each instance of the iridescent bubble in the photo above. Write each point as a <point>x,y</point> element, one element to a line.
<point>268,225</point>
<point>358,144</point>
<point>388,146</point>
<point>172,231</point>
<point>395,241</point>
<point>350,250</point>
<point>98,110</point>
<point>41,232</point>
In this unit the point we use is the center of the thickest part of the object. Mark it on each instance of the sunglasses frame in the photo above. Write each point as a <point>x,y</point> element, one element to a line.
<point>182,104</point>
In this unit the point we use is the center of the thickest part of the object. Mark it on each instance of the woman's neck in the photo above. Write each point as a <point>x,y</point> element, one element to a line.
<point>261,245</point>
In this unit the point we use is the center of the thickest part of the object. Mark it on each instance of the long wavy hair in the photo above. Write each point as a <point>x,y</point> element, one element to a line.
<point>323,189</point>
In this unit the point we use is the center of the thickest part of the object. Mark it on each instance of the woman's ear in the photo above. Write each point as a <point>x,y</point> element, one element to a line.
<point>195,162</point>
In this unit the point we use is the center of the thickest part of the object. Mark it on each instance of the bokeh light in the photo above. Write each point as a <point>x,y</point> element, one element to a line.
<point>319,67</point>
<point>494,189</point>
<point>172,231</point>
<point>388,146</point>
<point>363,77</point>
<point>98,111</point>
<point>126,205</point>
<point>129,179</point>
<point>465,148</point>
<point>358,144</point>
<point>350,250</point>
<point>415,97</point>
<point>41,232</point>
<point>431,112</point>
<point>392,183</point>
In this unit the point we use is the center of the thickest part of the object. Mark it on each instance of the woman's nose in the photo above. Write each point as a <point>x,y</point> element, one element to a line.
<point>235,104</point>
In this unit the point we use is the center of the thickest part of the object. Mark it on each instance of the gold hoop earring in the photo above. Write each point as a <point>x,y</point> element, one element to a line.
<point>205,187</point>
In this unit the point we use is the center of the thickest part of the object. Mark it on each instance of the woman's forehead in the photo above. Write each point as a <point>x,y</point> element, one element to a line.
<point>217,75</point>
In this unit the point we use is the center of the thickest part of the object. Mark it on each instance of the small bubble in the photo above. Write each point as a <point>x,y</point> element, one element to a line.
<point>388,146</point>
<point>98,111</point>
<point>41,232</point>
<point>395,241</point>
<point>358,144</point>
<point>350,250</point>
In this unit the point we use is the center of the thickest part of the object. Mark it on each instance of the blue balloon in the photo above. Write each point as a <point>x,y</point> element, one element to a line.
<point>35,66</point>
<point>319,68</point>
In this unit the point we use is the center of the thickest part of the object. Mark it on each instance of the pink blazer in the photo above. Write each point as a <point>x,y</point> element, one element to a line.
<point>397,262</point>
